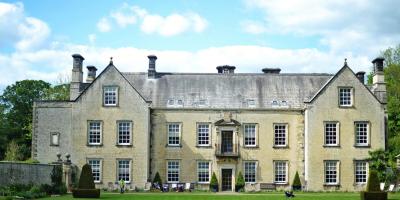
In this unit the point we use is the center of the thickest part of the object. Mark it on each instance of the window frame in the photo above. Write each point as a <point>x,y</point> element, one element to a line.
<point>366,171</point>
<point>130,132</point>
<point>255,135</point>
<point>275,145</point>
<point>351,97</point>
<point>179,134</point>
<point>168,170</point>
<point>337,169</point>
<point>286,172</point>
<point>198,134</point>
<point>198,171</point>
<point>356,144</point>
<point>116,96</point>
<point>246,175</point>
<point>89,131</point>
<point>337,144</point>
<point>129,169</point>
<point>58,139</point>
<point>100,168</point>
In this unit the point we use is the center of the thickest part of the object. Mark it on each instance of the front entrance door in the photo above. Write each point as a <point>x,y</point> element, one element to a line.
<point>226,180</point>
<point>227,142</point>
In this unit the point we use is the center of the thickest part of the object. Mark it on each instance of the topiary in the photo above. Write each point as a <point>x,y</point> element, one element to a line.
<point>157,179</point>
<point>373,182</point>
<point>86,180</point>
<point>56,176</point>
<point>214,182</point>
<point>296,182</point>
<point>239,182</point>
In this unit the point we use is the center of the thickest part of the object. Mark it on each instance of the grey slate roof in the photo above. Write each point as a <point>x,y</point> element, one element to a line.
<point>226,91</point>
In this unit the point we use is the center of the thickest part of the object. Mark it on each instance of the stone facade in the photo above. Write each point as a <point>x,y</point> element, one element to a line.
<point>186,126</point>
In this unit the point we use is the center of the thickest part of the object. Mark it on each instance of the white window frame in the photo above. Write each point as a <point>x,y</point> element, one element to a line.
<point>337,133</point>
<point>91,130</point>
<point>129,169</point>
<point>170,133</point>
<point>362,172</point>
<point>173,171</point>
<point>277,172</point>
<point>56,136</point>
<point>251,103</point>
<point>130,128</point>
<point>249,172</point>
<point>108,90</point>
<point>356,134</point>
<point>199,140</point>
<point>331,163</point>
<point>89,161</point>
<point>201,171</point>
<point>286,134</point>
<point>246,134</point>
<point>342,101</point>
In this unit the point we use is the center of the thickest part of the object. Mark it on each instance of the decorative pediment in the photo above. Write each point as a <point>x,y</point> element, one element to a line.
<point>227,121</point>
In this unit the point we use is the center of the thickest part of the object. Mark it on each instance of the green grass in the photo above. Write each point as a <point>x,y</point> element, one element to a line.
<point>224,196</point>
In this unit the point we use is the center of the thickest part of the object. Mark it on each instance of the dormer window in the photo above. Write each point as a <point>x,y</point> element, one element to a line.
<point>110,95</point>
<point>180,102</point>
<point>275,103</point>
<point>202,102</point>
<point>170,102</point>
<point>284,104</point>
<point>345,97</point>
<point>251,103</point>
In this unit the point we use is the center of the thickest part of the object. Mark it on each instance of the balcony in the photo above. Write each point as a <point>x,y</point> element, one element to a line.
<point>227,150</point>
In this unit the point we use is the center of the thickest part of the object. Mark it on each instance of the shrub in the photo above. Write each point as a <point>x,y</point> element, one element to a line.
<point>46,188</point>
<point>239,182</point>
<point>214,182</point>
<point>56,175</point>
<point>86,193</point>
<point>157,179</point>
<point>373,182</point>
<point>86,180</point>
<point>296,182</point>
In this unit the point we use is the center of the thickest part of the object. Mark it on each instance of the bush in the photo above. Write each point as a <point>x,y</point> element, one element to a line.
<point>157,179</point>
<point>373,182</point>
<point>296,182</point>
<point>373,195</point>
<point>46,188</point>
<point>239,182</point>
<point>214,183</point>
<point>86,180</point>
<point>56,176</point>
<point>86,193</point>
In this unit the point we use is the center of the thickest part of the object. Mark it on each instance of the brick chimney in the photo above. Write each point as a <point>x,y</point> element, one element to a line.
<point>77,76</point>
<point>226,69</point>
<point>152,66</point>
<point>91,73</point>
<point>271,70</point>
<point>378,80</point>
<point>360,75</point>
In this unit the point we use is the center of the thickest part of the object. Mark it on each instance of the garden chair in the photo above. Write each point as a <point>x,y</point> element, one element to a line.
<point>180,187</point>
<point>165,188</point>
<point>289,194</point>
<point>187,187</point>
<point>391,188</point>
<point>174,186</point>
<point>382,186</point>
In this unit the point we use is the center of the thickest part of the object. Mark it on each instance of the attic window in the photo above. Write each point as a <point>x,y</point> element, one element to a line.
<point>275,103</point>
<point>202,102</point>
<point>284,103</point>
<point>170,102</point>
<point>180,102</point>
<point>251,103</point>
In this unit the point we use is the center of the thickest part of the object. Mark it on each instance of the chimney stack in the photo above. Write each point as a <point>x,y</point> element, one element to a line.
<point>91,73</point>
<point>226,69</point>
<point>271,70</point>
<point>360,76</point>
<point>378,80</point>
<point>152,66</point>
<point>77,76</point>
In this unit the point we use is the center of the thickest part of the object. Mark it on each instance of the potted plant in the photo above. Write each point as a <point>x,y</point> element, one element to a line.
<point>239,186</point>
<point>373,191</point>
<point>296,186</point>
<point>214,183</point>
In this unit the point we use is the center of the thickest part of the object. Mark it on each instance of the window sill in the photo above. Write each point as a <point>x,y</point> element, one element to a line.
<point>347,107</point>
<point>331,146</point>
<point>54,145</point>
<point>331,185</point>
<point>94,145</point>
<point>204,147</point>
<point>360,184</point>
<point>124,145</point>
<point>281,147</point>
<point>99,182</point>
<point>362,146</point>
<point>173,146</point>
<point>110,106</point>
<point>281,184</point>
<point>251,147</point>
<point>203,183</point>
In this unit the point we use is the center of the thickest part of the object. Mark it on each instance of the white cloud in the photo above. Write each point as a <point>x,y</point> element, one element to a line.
<point>92,38</point>
<point>170,25</point>
<point>104,25</point>
<point>24,33</point>
<point>253,27</point>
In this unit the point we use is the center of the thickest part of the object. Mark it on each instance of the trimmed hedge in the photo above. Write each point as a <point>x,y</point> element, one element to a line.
<point>157,179</point>
<point>373,195</point>
<point>214,183</point>
<point>86,180</point>
<point>239,182</point>
<point>86,193</point>
<point>373,182</point>
<point>296,182</point>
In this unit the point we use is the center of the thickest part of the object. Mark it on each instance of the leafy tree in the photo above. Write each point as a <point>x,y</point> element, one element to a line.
<point>13,152</point>
<point>58,92</point>
<point>383,163</point>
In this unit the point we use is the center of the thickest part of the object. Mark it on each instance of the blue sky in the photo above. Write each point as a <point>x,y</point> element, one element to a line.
<point>37,38</point>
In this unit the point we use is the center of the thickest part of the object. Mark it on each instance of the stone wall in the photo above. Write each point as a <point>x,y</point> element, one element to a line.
<point>24,173</point>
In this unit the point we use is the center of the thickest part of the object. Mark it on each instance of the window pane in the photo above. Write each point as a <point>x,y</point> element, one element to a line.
<point>173,171</point>
<point>173,134</point>
<point>280,134</point>
<point>95,165</point>
<point>280,171</point>
<point>110,96</point>
<point>249,134</point>
<point>94,133</point>
<point>123,170</point>
<point>203,172</point>
<point>331,133</point>
<point>345,96</point>
<point>124,132</point>
<point>331,172</point>
<point>250,169</point>
<point>361,172</point>
<point>203,133</point>
<point>361,133</point>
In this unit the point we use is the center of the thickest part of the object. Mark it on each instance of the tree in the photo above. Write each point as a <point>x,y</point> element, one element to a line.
<point>296,182</point>
<point>383,163</point>
<point>157,179</point>
<point>239,182</point>
<point>13,152</point>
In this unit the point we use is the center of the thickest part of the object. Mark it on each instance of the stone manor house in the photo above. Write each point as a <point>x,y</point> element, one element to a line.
<point>185,126</point>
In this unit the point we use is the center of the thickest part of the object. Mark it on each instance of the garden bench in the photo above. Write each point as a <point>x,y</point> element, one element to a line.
<point>267,186</point>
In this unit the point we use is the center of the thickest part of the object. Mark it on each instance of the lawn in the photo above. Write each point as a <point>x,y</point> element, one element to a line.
<point>224,196</point>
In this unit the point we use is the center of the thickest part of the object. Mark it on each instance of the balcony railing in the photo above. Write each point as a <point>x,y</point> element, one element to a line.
<point>227,150</point>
